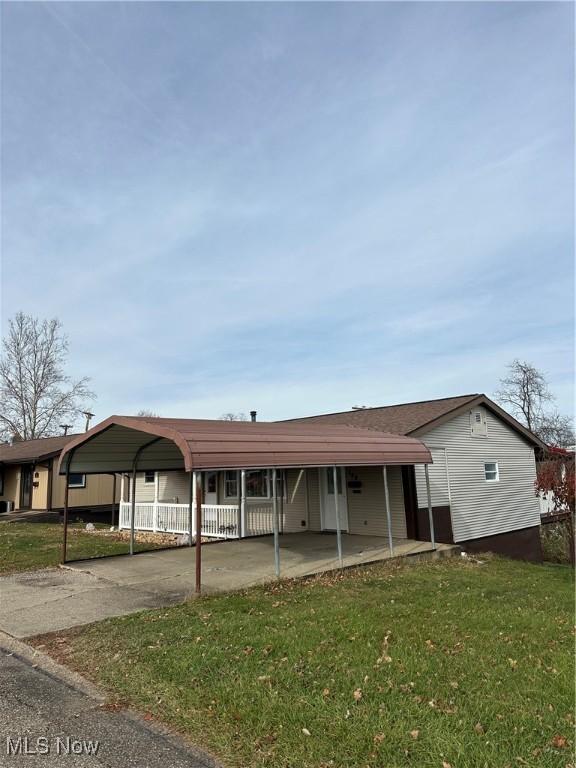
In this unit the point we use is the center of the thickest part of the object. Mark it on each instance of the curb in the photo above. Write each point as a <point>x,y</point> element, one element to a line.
<point>10,646</point>
<point>39,660</point>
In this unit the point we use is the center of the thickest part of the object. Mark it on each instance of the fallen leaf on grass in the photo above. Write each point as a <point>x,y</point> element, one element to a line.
<point>445,764</point>
<point>479,728</point>
<point>379,738</point>
<point>357,694</point>
<point>559,742</point>
<point>306,732</point>
<point>415,733</point>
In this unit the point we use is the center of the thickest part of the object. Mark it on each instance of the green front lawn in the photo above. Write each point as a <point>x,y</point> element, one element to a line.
<point>453,663</point>
<point>26,546</point>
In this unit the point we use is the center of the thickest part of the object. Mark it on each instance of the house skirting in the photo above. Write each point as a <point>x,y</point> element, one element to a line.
<point>523,544</point>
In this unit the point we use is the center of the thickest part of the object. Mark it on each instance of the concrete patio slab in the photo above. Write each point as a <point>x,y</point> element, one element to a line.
<point>35,602</point>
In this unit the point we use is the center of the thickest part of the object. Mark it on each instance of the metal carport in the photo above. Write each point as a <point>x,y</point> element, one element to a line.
<point>128,444</point>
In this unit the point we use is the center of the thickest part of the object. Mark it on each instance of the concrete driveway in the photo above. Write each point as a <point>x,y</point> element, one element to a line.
<point>36,602</point>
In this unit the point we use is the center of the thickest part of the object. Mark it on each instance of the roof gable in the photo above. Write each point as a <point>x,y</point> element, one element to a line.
<point>416,419</point>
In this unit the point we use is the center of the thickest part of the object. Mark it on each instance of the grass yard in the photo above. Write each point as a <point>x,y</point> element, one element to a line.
<point>27,546</point>
<point>447,663</point>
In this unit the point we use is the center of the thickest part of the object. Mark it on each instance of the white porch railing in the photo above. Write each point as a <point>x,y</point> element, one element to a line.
<point>219,521</point>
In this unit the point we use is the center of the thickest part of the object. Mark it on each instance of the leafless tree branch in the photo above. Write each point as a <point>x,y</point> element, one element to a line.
<point>36,395</point>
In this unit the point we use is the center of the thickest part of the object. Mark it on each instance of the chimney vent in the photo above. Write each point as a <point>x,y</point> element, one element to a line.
<point>253,415</point>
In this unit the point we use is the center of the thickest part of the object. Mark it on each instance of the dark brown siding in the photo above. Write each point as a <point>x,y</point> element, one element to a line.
<point>442,525</point>
<point>410,501</point>
<point>520,545</point>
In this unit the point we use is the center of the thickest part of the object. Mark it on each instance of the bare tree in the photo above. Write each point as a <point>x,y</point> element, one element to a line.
<point>556,429</point>
<point>524,391</point>
<point>233,417</point>
<point>145,413</point>
<point>36,396</point>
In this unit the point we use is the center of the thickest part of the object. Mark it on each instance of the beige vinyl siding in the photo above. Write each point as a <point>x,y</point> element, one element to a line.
<point>294,504</point>
<point>439,489</point>
<point>481,508</point>
<point>11,485</point>
<point>367,509</point>
<point>98,491</point>
<point>313,482</point>
<point>173,487</point>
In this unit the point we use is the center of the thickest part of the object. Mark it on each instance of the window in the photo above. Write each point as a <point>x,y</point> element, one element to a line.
<point>330,481</point>
<point>231,484</point>
<point>211,482</point>
<point>491,471</point>
<point>257,484</point>
<point>149,476</point>
<point>76,480</point>
<point>1,482</point>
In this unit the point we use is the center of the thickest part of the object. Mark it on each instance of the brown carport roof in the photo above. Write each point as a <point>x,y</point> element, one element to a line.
<point>198,444</point>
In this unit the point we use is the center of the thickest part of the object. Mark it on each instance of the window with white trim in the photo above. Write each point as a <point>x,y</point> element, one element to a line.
<point>231,484</point>
<point>491,471</point>
<point>258,484</point>
<point>76,480</point>
<point>149,476</point>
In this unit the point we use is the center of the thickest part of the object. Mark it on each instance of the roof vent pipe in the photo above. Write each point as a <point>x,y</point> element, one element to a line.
<point>253,415</point>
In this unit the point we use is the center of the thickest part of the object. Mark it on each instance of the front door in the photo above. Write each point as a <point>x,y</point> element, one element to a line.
<point>211,488</point>
<point>329,499</point>
<point>26,487</point>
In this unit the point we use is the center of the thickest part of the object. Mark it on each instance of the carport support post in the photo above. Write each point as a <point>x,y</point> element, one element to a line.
<point>337,510</point>
<point>275,525</point>
<point>242,531</point>
<point>198,533</point>
<point>388,513</point>
<point>133,506</point>
<point>113,499</point>
<point>65,533</point>
<point>191,503</point>
<point>429,499</point>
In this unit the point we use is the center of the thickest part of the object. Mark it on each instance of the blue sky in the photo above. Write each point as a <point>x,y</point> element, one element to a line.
<point>291,207</point>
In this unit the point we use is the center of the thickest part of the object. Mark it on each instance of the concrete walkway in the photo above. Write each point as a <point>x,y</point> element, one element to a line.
<point>42,700</point>
<point>36,602</point>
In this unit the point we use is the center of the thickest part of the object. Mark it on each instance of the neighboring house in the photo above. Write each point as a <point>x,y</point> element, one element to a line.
<point>482,477</point>
<point>29,479</point>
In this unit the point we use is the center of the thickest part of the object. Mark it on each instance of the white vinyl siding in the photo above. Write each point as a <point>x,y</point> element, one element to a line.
<point>294,504</point>
<point>480,508</point>
<point>438,474</point>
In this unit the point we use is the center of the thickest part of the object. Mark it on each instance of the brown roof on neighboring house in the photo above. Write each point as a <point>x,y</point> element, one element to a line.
<point>205,444</point>
<point>33,450</point>
<point>417,418</point>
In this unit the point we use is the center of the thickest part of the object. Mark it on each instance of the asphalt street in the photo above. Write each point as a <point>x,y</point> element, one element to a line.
<point>46,722</point>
